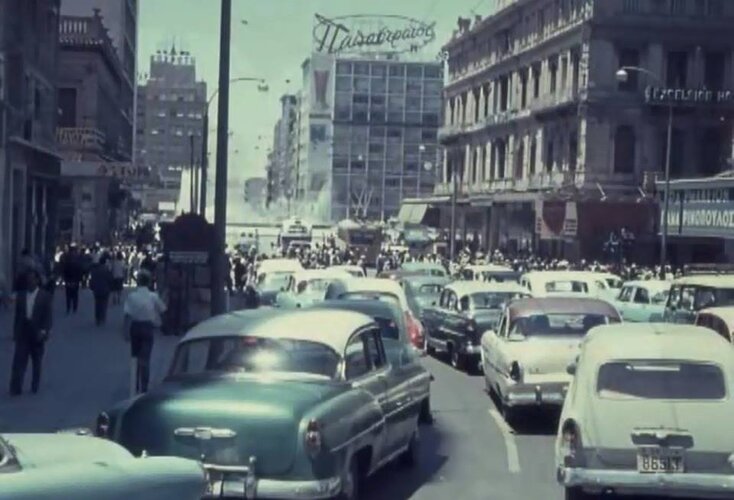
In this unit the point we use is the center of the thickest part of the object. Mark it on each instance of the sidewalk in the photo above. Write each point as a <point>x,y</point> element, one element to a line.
<point>86,369</point>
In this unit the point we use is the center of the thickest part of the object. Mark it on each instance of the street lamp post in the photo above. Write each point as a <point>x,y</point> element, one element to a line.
<point>622,76</point>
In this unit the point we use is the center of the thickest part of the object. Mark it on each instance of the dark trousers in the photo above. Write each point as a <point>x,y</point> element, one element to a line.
<point>141,346</point>
<point>26,349</point>
<point>100,308</point>
<point>72,297</point>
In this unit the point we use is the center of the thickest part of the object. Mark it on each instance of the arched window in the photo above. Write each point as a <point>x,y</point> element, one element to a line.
<point>624,150</point>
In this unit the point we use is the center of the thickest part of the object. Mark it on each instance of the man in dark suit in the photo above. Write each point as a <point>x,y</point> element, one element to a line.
<point>33,312</point>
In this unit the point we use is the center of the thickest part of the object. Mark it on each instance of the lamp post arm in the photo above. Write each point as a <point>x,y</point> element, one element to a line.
<point>644,71</point>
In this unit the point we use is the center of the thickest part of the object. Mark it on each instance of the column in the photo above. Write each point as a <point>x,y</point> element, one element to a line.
<point>495,96</point>
<point>581,165</point>
<point>544,78</point>
<point>540,151</point>
<point>487,165</point>
<point>466,170</point>
<point>447,113</point>
<point>457,110</point>
<point>480,104</point>
<point>493,160</point>
<point>445,166</point>
<point>510,157</point>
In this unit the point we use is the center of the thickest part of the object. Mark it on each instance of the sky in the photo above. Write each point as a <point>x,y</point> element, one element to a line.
<point>270,40</point>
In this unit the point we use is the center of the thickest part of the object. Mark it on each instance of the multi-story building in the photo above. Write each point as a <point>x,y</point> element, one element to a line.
<point>367,134</point>
<point>29,162</point>
<point>285,137</point>
<point>549,148</point>
<point>170,109</point>
<point>94,132</point>
<point>255,192</point>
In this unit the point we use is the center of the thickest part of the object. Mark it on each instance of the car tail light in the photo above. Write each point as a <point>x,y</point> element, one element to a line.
<point>102,428</point>
<point>515,371</point>
<point>570,444</point>
<point>313,440</point>
<point>415,330</point>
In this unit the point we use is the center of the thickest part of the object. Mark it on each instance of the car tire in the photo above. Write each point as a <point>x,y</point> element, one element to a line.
<point>410,457</point>
<point>351,482</point>
<point>426,416</point>
<point>509,414</point>
<point>458,360</point>
<point>428,348</point>
<point>577,494</point>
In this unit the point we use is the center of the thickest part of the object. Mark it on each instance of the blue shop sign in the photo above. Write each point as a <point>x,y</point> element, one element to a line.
<point>701,208</point>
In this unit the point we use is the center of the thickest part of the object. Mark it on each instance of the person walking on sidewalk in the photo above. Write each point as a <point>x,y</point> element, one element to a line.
<point>100,282</point>
<point>31,327</point>
<point>119,271</point>
<point>72,272</point>
<point>142,316</point>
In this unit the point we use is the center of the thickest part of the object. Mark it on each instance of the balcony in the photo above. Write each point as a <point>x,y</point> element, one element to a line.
<point>450,132</point>
<point>80,138</point>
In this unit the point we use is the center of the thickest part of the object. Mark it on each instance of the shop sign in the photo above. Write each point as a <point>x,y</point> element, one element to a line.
<point>660,95</point>
<point>701,212</point>
<point>556,219</point>
<point>371,33</point>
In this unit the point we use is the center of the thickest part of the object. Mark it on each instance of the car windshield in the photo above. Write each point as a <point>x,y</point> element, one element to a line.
<point>666,380</point>
<point>552,324</point>
<point>493,300</point>
<point>369,295</point>
<point>275,280</point>
<point>254,355</point>
<point>313,285</point>
<point>614,282</point>
<point>567,286</point>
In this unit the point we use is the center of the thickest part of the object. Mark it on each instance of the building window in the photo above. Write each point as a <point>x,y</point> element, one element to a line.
<point>67,107</point>
<point>536,81</point>
<point>343,68</point>
<point>715,62</point>
<point>573,151</point>
<point>549,156</point>
<point>624,150</point>
<point>504,93</point>
<point>519,159</point>
<point>523,88</point>
<point>677,69</point>
<point>533,154</point>
<point>713,151</point>
<point>629,58</point>
<point>553,68</point>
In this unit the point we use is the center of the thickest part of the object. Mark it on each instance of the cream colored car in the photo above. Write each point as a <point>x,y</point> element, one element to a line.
<point>525,359</point>
<point>648,413</point>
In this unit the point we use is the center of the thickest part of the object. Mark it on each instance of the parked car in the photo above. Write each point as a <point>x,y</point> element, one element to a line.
<point>643,300</point>
<point>488,272</point>
<point>425,289</point>
<point>402,355</point>
<point>718,319</point>
<point>646,413</point>
<point>277,406</point>
<point>354,271</point>
<point>382,289</point>
<point>425,268</point>
<point>567,284</point>
<point>690,294</point>
<point>273,277</point>
<point>79,467</point>
<point>308,287</point>
<point>526,356</point>
<point>465,310</point>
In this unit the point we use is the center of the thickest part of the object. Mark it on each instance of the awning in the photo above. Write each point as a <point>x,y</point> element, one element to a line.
<point>412,214</point>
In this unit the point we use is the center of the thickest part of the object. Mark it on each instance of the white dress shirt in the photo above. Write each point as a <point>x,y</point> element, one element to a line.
<point>30,301</point>
<point>143,305</point>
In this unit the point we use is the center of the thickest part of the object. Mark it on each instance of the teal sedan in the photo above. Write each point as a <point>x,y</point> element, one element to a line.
<point>279,404</point>
<point>643,301</point>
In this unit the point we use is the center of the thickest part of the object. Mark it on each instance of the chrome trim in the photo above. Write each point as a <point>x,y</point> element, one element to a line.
<point>552,394</point>
<point>684,484</point>
<point>204,433</point>
<point>349,441</point>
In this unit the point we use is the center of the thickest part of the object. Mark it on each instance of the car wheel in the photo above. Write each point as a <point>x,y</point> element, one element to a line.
<point>428,348</point>
<point>426,416</point>
<point>577,494</point>
<point>509,414</point>
<point>457,359</point>
<point>410,457</point>
<point>350,482</point>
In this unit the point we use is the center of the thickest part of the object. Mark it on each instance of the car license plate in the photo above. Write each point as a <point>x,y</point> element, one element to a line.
<point>659,460</point>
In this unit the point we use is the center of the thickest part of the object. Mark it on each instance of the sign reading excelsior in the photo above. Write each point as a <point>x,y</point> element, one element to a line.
<point>371,33</point>
<point>658,95</point>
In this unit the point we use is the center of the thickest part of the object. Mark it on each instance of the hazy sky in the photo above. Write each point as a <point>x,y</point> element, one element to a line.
<point>272,42</point>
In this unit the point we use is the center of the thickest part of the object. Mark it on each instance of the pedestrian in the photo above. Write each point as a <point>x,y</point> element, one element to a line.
<point>31,328</point>
<point>100,282</point>
<point>72,273</point>
<point>142,315</point>
<point>119,272</point>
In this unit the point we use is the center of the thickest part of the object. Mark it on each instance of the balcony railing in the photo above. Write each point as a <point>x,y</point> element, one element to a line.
<point>86,138</point>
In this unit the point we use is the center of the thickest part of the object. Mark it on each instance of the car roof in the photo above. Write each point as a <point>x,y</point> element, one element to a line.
<point>462,288</point>
<point>420,280</point>
<point>657,285</point>
<point>713,280</point>
<point>655,341</point>
<point>372,285</point>
<point>287,265</point>
<point>564,274</point>
<point>310,274</point>
<point>295,324</point>
<point>726,313</point>
<point>561,305</point>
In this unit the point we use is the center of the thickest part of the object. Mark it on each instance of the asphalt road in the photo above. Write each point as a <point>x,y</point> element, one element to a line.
<point>470,453</point>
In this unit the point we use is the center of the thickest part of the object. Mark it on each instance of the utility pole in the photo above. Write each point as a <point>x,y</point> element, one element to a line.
<point>220,189</point>
<point>204,161</point>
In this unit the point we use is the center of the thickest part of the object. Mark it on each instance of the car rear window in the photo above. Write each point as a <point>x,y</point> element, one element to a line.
<point>385,297</point>
<point>567,286</point>
<point>665,380</point>
<point>547,325</point>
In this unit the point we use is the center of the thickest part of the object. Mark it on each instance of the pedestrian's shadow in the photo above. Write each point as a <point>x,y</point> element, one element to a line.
<point>397,482</point>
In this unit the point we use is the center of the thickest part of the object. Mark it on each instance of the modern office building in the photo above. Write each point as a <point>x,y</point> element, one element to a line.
<point>285,137</point>
<point>367,134</point>
<point>170,109</point>
<point>550,149</point>
<point>29,160</point>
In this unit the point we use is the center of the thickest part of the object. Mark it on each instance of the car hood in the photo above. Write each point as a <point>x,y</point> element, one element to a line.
<point>540,355</point>
<point>49,450</point>
<point>263,415</point>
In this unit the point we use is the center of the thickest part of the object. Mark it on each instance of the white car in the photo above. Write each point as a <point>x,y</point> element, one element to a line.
<point>525,359</point>
<point>308,287</point>
<point>648,413</point>
<point>80,467</point>
<point>273,277</point>
<point>355,271</point>
<point>567,284</point>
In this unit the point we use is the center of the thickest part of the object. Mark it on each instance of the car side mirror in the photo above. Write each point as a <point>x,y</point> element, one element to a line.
<point>516,337</point>
<point>571,369</point>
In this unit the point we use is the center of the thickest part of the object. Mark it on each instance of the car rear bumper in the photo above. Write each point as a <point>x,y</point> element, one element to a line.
<point>471,350</point>
<point>630,482</point>
<point>543,394</point>
<point>241,482</point>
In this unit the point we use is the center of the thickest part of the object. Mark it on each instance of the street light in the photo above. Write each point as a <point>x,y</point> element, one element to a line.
<point>622,76</point>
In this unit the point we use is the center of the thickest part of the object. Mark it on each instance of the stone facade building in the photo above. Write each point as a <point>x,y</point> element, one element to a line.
<point>550,150</point>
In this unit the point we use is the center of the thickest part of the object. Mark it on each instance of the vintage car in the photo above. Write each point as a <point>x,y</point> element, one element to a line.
<point>382,289</point>
<point>643,300</point>
<point>82,467</point>
<point>307,287</point>
<point>278,406</point>
<point>567,284</point>
<point>464,311</point>
<point>526,356</point>
<point>425,268</point>
<point>401,354</point>
<point>690,294</point>
<point>647,413</point>
<point>273,277</point>
<point>718,319</point>
<point>354,271</point>
<point>425,289</point>
<point>488,272</point>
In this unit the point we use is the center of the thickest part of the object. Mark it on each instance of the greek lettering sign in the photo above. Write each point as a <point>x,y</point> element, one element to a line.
<point>704,211</point>
<point>371,33</point>
<point>658,95</point>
